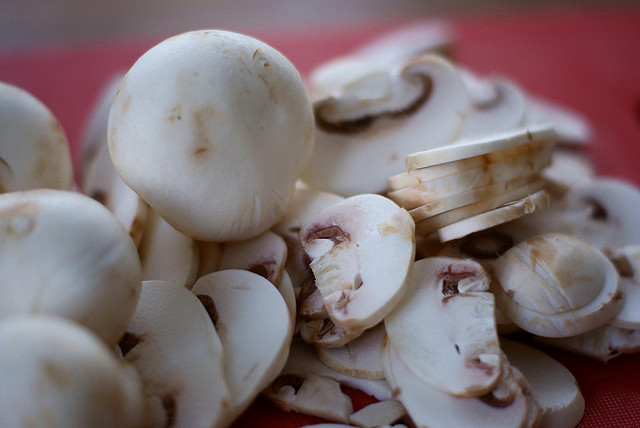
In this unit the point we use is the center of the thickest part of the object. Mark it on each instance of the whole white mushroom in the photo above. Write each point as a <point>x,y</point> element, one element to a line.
<point>212,129</point>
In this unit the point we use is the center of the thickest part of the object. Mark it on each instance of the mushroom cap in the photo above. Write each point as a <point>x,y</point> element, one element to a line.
<point>255,329</point>
<point>217,151</point>
<point>362,251</point>
<point>34,151</point>
<point>64,253</point>
<point>444,327</point>
<point>415,106</point>
<point>554,285</point>
<point>174,347</point>
<point>57,373</point>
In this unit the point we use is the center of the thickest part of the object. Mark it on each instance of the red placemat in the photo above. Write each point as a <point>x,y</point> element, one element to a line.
<point>588,60</point>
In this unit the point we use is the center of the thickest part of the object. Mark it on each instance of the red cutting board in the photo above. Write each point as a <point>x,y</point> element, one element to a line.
<point>586,59</point>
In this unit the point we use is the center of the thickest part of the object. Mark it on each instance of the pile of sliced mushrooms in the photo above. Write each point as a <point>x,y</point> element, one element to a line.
<point>239,232</point>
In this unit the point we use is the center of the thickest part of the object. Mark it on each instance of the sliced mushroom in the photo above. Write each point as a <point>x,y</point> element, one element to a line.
<point>255,329</point>
<point>232,124</point>
<point>568,169</point>
<point>358,358</point>
<point>34,151</point>
<point>57,373</point>
<point>320,330</point>
<point>444,329</point>
<point>627,262</point>
<point>559,397</point>
<point>264,254</point>
<point>554,285</point>
<point>418,106</point>
<point>374,415</point>
<point>172,344</point>
<point>63,253</point>
<point>570,126</point>
<point>167,254</point>
<point>362,250</point>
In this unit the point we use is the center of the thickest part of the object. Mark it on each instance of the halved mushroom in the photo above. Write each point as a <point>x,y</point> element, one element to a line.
<point>34,151</point>
<point>505,406</point>
<point>559,397</point>
<point>362,250</point>
<point>167,254</point>
<point>358,358</point>
<point>174,347</point>
<point>554,285</point>
<point>416,106</point>
<point>255,329</point>
<point>264,254</point>
<point>63,253</point>
<point>232,124</point>
<point>444,328</point>
<point>57,373</point>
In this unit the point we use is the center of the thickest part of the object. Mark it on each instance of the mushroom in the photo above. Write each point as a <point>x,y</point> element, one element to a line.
<point>361,251</point>
<point>627,262</point>
<point>380,118</point>
<point>358,358</point>
<point>233,124</point>
<point>166,254</point>
<point>554,285</point>
<point>255,329</point>
<point>571,128</point>
<point>63,253</point>
<point>57,373</point>
<point>209,257</point>
<point>559,397</point>
<point>444,327</point>
<point>383,413</point>
<point>34,151</point>
<point>174,347</point>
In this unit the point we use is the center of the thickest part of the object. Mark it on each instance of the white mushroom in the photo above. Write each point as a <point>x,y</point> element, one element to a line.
<point>378,414</point>
<point>34,151</point>
<point>554,285</point>
<point>56,373</point>
<point>255,329</point>
<point>63,253</point>
<point>166,254</point>
<point>233,124</point>
<point>416,106</point>
<point>172,344</point>
<point>362,250</point>
<point>444,328</point>
<point>559,397</point>
<point>570,126</point>
<point>627,262</point>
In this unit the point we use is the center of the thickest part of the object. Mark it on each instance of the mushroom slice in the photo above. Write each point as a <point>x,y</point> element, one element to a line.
<point>602,343</point>
<point>322,331</point>
<point>627,262</point>
<point>503,406</point>
<point>554,285</point>
<point>34,151</point>
<point>571,128</point>
<point>255,329</point>
<point>358,358</point>
<point>444,327</point>
<point>63,253</point>
<point>362,250</point>
<point>167,254</point>
<point>374,415</point>
<point>233,124</point>
<point>264,254</point>
<point>503,214</point>
<point>478,147</point>
<point>102,183</point>
<point>559,397</point>
<point>172,344</point>
<point>416,106</point>
<point>569,169</point>
<point>57,373</point>
<point>427,225</point>
<point>303,363</point>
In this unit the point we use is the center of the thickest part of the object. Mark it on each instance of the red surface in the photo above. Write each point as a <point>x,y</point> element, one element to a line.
<point>589,61</point>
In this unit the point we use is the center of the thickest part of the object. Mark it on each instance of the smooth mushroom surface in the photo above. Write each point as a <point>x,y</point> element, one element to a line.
<point>63,253</point>
<point>233,124</point>
<point>174,346</point>
<point>56,373</point>
<point>34,151</point>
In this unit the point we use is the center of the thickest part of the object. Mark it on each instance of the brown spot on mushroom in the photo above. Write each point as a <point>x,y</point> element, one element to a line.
<point>175,113</point>
<point>450,280</point>
<point>137,229</point>
<point>486,244</point>
<point>210,307</point>
<point>170,408</point>
<point>128,342</point>
<point>18,220</point>
<point>200,152</point>
<point>57,375</point>
<point>266,269</point>
<point>361,124</point>
<point>618,296</point>
<point>126,104</point>
<point>509,293</point>
<point>334,233</point>
<point>202,118</point>
<point>476,363</point>
<point>395,393</point>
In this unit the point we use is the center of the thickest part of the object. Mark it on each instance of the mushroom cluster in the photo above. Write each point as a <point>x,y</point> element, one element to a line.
<point>219,254</point>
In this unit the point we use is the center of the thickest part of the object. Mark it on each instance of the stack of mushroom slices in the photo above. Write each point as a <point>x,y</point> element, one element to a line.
<point>473,185</point>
